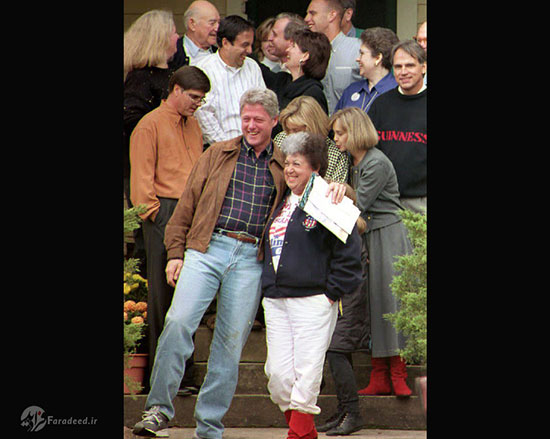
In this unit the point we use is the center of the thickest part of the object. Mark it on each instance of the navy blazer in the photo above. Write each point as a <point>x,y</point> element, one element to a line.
<point>313,260</point>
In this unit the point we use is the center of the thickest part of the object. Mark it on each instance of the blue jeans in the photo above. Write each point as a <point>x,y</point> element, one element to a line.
<point>230,266</point>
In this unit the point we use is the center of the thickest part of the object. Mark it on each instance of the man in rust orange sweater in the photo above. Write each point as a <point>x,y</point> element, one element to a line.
<point>164,146</point>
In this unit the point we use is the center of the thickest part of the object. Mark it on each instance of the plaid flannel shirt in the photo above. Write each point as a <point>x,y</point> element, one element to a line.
<point>251,193</point>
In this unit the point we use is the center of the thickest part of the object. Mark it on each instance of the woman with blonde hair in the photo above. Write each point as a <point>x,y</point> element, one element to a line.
<point>375,182</point>
<point>305,114</point>
<point>149,43</point>
<point>261,44</point>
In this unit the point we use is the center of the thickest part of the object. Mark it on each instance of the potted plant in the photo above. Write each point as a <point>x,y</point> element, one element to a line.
<point>134,364</point>
<point>410,288</point>
<point>135,312</point>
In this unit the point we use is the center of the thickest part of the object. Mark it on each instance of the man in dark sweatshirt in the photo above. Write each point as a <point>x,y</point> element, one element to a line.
<point>400,117</point>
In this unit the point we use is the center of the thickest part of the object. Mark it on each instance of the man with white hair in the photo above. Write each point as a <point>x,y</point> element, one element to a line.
<point>212,243</point>
<point>214,249</point>
<point>201,20</point>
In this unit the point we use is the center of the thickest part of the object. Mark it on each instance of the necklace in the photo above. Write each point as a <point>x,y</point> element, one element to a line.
<point>355,97</point>
<point>369,102</point>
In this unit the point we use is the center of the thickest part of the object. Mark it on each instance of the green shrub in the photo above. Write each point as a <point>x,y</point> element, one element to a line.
<point>410,288</point>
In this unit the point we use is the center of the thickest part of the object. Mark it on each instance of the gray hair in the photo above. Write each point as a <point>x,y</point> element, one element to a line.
<point>197,9</point>
<point>262,96</point>
<point>294,143</point>
<point>191,12</point>
<point>295,23</point>
<point>412,48</point>
<point>310,145</point>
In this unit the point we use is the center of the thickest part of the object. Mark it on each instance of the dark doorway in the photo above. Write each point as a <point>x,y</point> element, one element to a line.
<point>369,13</point>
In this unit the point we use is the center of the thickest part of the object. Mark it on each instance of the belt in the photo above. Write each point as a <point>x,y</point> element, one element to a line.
<point>239,236</point>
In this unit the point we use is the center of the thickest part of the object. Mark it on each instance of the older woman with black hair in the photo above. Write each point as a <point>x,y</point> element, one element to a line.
<point>306,270</point>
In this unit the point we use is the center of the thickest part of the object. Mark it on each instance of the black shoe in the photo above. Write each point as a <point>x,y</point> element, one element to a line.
<point>188,391</point>
<point>152,421</point>
<point>351,422</point>
<point>331,422</point>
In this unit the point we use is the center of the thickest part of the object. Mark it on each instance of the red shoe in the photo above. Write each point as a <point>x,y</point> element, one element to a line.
<point>301,426</point>
<point>379,383</point>
<point>288,414</point>
<point>398,371</point>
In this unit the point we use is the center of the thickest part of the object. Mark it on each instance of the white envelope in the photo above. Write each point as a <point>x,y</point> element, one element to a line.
<point>338,218</point>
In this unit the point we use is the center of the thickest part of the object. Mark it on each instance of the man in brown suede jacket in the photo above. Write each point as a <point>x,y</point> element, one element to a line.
<point>217,225</point>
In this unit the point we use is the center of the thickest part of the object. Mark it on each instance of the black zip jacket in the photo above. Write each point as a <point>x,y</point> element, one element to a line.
<point>313,260</point>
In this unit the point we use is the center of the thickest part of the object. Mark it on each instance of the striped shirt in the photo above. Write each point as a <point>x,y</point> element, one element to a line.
<point>219,117</point>
<point>250,195</point>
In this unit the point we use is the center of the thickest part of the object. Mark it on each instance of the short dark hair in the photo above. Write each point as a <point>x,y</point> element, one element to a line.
<point>312,146</point>
<point>348,4</point>
<point>230,27</point>
<point>318,46</point>
<point>189,77</point>
<point>380,40</point>
<point>337,6</point>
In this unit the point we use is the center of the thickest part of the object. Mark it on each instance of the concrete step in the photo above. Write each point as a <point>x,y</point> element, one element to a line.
<point>252,406</point>
<point>385,412</point>
<point>279,433</point>
<point>252,378</point>
<point>254,351</point>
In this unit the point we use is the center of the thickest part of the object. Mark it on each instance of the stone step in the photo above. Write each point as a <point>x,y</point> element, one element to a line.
<point>254,351</point>
<point>252,406</point>
<point>252,378</point>
<point>385,412</point>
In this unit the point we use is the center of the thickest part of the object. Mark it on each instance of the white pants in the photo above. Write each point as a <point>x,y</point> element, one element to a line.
<point>299,331</point>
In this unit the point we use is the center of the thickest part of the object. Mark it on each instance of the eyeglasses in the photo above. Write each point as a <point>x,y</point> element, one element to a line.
<point>420,40</point>
<point>199,100</point>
